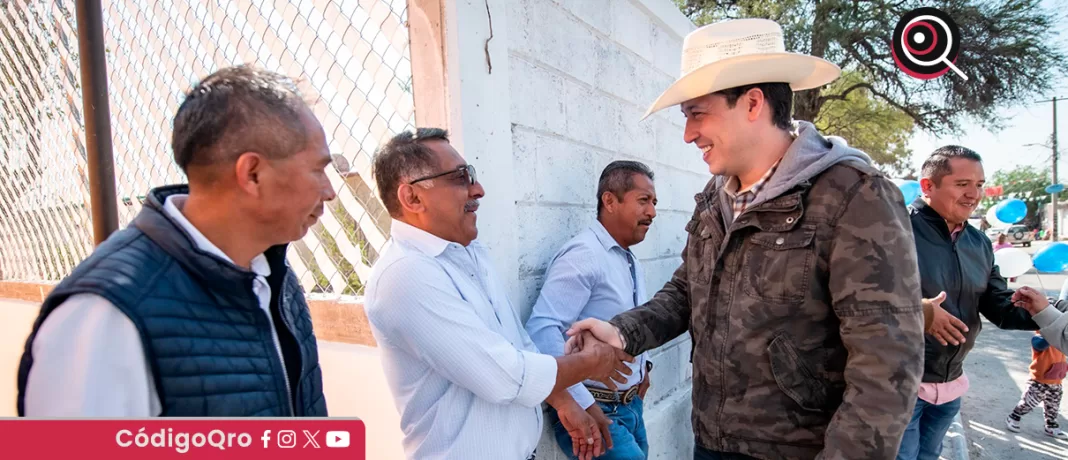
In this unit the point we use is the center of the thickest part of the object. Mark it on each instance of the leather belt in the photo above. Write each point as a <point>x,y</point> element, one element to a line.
<point>609,396</point>
<point>624,397</point>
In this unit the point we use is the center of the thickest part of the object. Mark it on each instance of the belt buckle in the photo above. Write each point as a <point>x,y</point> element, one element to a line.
<point>629,395</point>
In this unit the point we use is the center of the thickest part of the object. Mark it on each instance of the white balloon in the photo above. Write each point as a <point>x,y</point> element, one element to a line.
<point>992,218</point>
<point>1013,262</point>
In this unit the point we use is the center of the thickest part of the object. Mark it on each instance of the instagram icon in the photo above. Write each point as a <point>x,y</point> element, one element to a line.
<point>287,439</point>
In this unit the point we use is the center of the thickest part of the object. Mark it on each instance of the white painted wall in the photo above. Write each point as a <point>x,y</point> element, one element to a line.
<point>569,82</point>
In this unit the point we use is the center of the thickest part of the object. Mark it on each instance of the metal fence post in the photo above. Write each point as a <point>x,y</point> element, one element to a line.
<point>97,119</point>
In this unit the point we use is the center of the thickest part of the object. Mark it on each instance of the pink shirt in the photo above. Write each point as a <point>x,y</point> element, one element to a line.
<point>1002,245</point>
<point>941,393</point>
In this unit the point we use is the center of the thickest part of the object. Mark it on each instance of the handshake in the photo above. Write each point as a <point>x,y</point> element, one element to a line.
<point>594,351</point>
<point>600,345</point>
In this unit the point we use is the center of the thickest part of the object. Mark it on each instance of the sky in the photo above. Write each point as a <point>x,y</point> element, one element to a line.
<point>1027,122</point>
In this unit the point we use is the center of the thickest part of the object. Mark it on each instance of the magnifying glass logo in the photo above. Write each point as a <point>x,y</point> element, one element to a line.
<point>926,43</point>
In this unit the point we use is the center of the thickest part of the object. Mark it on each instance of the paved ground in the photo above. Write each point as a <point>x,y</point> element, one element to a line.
<point>998,370</point>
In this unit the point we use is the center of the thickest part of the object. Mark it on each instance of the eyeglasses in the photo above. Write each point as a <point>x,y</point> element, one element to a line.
<point>468,172</point>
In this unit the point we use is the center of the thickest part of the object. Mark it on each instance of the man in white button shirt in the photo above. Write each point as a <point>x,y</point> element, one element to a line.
<point>191,311</point>
<point>464,374</point>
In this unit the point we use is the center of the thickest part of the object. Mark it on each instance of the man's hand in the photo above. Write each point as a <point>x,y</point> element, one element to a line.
<point>644,386</point>
<point>944,327</point>
<point>583,427</point>
<point>601,330</point>
<point>607,364</point>
<point>1030,299</point>
<point>602,423</point>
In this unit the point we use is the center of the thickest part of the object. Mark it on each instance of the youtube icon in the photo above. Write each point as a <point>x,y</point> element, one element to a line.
<point>337,439</point>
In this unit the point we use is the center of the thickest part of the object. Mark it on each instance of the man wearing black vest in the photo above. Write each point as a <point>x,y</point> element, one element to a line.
<point>192,311</point>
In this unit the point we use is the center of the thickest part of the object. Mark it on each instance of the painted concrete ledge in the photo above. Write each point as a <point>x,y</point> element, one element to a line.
<point>955,444</point>
<point>334,320</point>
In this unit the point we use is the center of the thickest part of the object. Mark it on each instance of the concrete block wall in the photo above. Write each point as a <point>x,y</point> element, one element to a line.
<point>580,76</point>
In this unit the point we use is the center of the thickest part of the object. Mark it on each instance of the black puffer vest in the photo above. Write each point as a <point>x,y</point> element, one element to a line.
<point>206,340</point>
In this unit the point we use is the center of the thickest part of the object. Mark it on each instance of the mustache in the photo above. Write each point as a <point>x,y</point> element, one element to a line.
<point>645,222</point>
<point>471,206</point>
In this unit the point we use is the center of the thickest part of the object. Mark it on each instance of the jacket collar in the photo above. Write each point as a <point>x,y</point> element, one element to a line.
<point>258,264</point>
<point>934,218</point>
<point>170,235</point>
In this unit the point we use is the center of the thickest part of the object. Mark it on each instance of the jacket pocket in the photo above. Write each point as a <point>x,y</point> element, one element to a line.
<point>797,379</point>
<point>778,265</point>
<point>700,251</point>
<point>1056,372</point>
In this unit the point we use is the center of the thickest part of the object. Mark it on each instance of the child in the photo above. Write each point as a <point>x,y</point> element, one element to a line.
<point>1003,242</point>
<point>1048,368</point>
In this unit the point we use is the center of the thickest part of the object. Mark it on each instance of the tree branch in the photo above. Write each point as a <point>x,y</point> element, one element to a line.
<point>842,96</point>
<point>918,118</point>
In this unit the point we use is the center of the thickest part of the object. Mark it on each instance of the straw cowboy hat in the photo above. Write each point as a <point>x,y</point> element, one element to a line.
<point>737,53</point>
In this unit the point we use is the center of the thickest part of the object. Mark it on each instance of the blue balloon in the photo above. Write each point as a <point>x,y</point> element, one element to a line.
<point>1052,259</point>
<point>910,189</point>
<point>1055,188</point>
<point>1011,211</point>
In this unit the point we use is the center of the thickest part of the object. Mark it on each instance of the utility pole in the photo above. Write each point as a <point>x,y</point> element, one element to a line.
<point>97,115</point>
<point>1053,196</point>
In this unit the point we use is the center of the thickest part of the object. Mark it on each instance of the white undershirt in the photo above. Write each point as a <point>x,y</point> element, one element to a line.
<point>88,360</point>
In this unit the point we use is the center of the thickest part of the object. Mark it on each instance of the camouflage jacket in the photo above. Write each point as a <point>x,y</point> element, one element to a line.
<point>805,317</point>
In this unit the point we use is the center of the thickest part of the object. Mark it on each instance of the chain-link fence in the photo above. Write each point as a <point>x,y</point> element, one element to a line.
<point>351,54</point>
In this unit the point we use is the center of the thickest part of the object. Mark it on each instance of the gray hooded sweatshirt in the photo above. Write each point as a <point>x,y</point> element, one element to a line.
<point>809,155</point>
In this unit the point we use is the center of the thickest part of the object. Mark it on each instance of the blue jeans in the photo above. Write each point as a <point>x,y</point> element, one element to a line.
<point>929,424</point>
<point>627,430</point>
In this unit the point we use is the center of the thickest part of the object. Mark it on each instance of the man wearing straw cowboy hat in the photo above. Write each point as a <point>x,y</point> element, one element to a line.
<point>799,282</point>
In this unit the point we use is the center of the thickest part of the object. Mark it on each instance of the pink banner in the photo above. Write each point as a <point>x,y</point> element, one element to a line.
<point>200,438</point>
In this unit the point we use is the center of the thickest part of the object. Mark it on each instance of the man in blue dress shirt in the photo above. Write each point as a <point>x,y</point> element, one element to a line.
<point>595,275</point>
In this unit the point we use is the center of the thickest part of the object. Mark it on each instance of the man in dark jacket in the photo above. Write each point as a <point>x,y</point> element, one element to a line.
<point>192,311</point>
<point>798,282</point>
<point>957,270</point>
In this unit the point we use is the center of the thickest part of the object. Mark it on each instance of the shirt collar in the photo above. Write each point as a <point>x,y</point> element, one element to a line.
<point>732,185</point>
<point>955,232</point>
<point>418,238</point>
<point>258,264</point>
<point>603,236</point>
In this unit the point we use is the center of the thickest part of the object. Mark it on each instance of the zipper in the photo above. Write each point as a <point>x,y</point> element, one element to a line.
<point>278,347</point>
<point>723,345</point>
<point>960,289</point>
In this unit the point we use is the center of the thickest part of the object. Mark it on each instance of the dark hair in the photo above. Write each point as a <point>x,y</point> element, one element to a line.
<point>237,110</point>
<point>404,157</point>
<point>779,97</point>
<point>936,166</point>
<point>618,178</point>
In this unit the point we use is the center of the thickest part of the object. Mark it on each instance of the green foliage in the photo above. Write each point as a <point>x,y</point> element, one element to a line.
<point>353,285</point>
<point>869,124</point>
